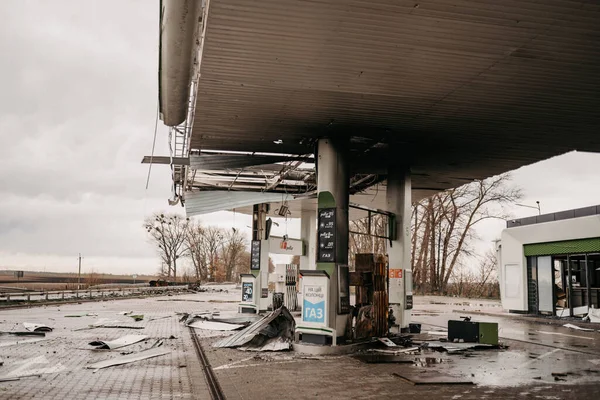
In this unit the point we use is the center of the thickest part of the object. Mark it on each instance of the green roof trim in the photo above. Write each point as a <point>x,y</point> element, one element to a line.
<point>577,246</point>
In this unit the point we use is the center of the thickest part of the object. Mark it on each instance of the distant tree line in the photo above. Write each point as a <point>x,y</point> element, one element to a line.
<point>443,236</point>
<point>215,254</point>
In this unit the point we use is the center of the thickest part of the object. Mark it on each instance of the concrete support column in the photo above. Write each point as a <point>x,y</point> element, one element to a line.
<point>332,184</point>
<point>308,234</point>
<point>400,283</point>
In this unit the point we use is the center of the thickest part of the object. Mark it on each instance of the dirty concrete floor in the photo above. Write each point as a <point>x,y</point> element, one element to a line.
<point>524,370</point>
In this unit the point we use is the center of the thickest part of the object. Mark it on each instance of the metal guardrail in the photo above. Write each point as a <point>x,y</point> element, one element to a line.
<point>82,294</point>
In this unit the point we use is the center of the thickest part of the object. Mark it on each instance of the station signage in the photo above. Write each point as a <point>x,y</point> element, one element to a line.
<point>255,255</point>
<point>247,292</point>
<point>313,307</point>
<point>292,247</point>
<point>326,235</point>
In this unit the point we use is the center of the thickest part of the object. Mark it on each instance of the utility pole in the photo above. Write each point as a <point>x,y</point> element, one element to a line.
<point>79,274</point>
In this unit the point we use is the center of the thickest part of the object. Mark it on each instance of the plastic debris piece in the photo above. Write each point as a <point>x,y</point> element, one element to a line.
<point>34,327</point>
<point>571,326</point>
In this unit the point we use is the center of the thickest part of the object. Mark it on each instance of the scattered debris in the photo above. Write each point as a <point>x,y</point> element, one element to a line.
<point>243,320</point>
<point>387,342</point>
<point>24,333</point>
<point>26,369</point>
<point>384,359</point>
<point>138,317</point>
<point>81,315</point>
<point>437,379</point>
<point>593,315</point>
<point>213,325</point>
<point>571,326</point>
<point>6,344</point>
<point>402,340</point>
<point>118,343</point>
<point>197,301</point>
<point>142,355</point>
<point>396,351</point>
<point>457,347</point>
<point>33,327</point>
<point>157,318</point>
<point>274,331</point>
<point>437,333</point>
<point>125,313</point>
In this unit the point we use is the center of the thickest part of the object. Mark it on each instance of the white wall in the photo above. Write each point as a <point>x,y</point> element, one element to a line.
<point>513,266</point>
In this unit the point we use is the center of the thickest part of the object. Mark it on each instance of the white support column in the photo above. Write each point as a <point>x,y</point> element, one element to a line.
<point>308,234</point>
<point>399,202</point>
<point>259,219</point>
<point>333,187</point>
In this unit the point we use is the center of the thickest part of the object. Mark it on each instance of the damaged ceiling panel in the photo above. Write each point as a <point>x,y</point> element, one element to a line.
<point>228,161</point>
<point>205,202</point>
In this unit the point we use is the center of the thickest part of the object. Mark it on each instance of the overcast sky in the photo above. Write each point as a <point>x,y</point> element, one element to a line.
<point>77,112</point>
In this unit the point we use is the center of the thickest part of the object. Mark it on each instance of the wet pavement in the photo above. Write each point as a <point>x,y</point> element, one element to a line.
<point>542,360</point>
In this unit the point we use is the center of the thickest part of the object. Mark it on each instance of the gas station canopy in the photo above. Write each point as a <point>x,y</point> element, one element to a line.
<point>455,91</point>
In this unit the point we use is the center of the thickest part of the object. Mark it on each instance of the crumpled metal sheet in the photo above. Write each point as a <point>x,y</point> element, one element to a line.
<point>271,332</point>
<point>142,355</point>
<point>276,344</point>
<point>451,347</point>
<point>118,343</point>
<point>213,325</point>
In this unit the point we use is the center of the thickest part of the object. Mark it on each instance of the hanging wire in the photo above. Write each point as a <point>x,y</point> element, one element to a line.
<point>153,144</point>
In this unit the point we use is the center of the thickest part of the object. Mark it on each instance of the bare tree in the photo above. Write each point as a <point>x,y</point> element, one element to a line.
<point>232,250</point>
<point>476,282</point>
<point>203,245</point>
<point>443,227</point>
<point>363,241</point>
<point>168,232</point>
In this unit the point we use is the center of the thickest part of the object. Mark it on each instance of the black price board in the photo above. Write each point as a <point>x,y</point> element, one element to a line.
<point>326,235</point>
<point>247,291</point>
<point>264,293</point>
<point>409,302</point>
<point>255,255</point>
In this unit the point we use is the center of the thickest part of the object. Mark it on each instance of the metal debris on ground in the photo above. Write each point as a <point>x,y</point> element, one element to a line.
<point>157,318</point>
<point>433,379</point>
<point>457,347</point>
<point>129,358</point>
<point>125,312</point>
<point>438,333</point>
<point>18,333</point>
<point>81,315</point>
<point>12,343</point>
<point>273,332</point>
<point>384,359</point>
<point>396,351</point>
<point>34,327</point>
<point>118,343</point>
<point>30,367</point>
<point>138,317</point>
<point>571,326</point>
<point>387,342</point>
<point>213,325</point>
